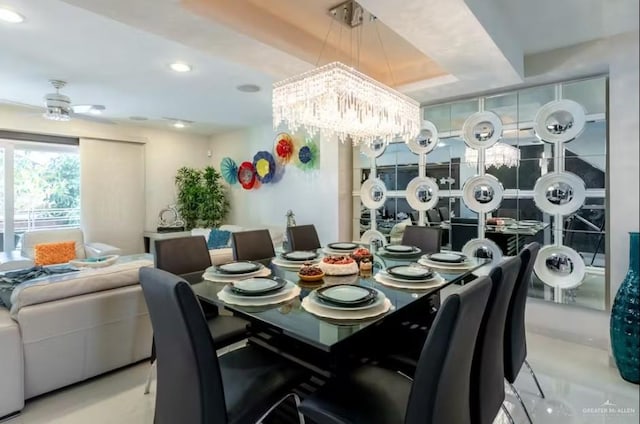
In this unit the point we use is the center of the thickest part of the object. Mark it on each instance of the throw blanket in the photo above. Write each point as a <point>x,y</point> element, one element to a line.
<point>10,280</point>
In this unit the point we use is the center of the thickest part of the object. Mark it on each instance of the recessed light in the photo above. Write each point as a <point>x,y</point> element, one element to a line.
<point>10,16</point>
<point>248,88</point>
<point>180,67</point>
<point>179,124</point>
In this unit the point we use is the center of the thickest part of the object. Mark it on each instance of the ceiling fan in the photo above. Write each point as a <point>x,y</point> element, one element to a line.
<point>58,107</point>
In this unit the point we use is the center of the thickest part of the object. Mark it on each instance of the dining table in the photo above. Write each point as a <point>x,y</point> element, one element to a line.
<point>326,346</point>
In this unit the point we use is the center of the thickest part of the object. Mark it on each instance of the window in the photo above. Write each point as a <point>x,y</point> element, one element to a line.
<point>40,185</point>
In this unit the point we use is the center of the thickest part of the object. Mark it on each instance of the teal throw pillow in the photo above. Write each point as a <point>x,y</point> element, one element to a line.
<point>218,239</point>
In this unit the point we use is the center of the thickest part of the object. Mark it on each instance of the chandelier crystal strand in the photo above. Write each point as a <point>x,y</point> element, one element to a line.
<point>498,155</point>
<point>336,99</point>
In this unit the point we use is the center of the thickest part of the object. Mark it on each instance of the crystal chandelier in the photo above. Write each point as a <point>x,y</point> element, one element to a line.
<point>500,154</point>
<point>336,99</point>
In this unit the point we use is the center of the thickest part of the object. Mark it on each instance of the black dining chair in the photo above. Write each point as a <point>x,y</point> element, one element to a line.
<point>462,230</point>
<point>433,216</point>
<point>254,245</point>
<point>515,337</point>
<point>428,239</point>
<point>188,257</point>
<point>303,237</point>
<point>487,373</point>
<point>444,213</point>
<point>439,392</point>
<point>194,385</point>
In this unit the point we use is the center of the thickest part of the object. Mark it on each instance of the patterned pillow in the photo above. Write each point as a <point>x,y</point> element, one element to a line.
<point>218,239</point>
<point>54,253</point>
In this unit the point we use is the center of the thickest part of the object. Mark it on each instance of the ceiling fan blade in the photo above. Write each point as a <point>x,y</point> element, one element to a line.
<point>92,118</point>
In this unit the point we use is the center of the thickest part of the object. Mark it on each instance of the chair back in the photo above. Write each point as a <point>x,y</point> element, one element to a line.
<point>515,340</point>
<point>189,388</point>
<point>182,255</point>
<point>444,213</point>
<point>254,245</point>
<point>433,216</point>
<point>428,239</point>
<point>487,373</point>
<point>462,230</point>
<point>440,390</point>
<point>303,237</point>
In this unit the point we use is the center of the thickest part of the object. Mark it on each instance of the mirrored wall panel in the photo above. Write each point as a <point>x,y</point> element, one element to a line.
<point>497,172</point>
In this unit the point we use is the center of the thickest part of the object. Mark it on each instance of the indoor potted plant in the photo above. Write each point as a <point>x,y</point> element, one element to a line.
<point>201,199</point>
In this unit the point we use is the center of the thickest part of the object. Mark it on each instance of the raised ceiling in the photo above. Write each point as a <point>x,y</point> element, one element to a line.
<point>306,30</point>
<point>116,52</point>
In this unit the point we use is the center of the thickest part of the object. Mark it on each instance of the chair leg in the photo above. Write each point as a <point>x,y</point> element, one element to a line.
<point>296,399</point>
<point>526,411</point>
<point>533,374</point>
<point>147,385</point>
<point>506,412</point>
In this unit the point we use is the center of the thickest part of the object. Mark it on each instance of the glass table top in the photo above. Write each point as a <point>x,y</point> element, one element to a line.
<point>294,321</point>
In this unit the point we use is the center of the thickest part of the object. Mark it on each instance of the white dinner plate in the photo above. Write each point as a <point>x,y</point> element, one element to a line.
<point>435,276</point>
<point>227,278</point>
<point>288,292</point>
<point>341,315</point>
<point>376,303</point>
<point>385,280</point>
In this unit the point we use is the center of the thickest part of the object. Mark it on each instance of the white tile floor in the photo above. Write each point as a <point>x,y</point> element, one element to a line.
<point>579,384</point>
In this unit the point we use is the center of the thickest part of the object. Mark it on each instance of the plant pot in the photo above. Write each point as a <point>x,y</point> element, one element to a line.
<point>625,318</point>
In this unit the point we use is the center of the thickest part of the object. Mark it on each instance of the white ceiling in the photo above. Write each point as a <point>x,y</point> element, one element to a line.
<point>116,52</point>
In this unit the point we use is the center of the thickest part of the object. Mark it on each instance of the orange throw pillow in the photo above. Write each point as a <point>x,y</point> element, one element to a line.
<point>54,253</point>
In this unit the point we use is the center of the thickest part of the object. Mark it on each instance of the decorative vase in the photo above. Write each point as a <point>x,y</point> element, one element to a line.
<point>625,318</point>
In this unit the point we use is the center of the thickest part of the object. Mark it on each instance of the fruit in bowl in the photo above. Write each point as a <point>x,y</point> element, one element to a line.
<point>310,273</point>
<point>337,260</point>
<point>359,254</point>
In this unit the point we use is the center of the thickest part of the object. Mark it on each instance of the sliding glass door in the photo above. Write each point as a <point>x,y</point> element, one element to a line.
<point>40,185</point>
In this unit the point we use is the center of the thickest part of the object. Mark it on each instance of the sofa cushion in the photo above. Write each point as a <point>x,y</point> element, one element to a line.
<point>77,283</point>
<point>218,238</point>
<point>54,253</point>
<point>31,238</point>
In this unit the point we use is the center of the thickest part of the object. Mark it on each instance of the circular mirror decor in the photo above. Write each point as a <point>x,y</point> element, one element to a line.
<point>559,266</point>
<point>373,193</point>
<point>370,235</point>
<point>422,193</point>
<point>559,120</point>
<point>426,140</point>
<point>373,149</point>
<point>482,130</point>
<point>559,193</point>
<point>482,193</point>
<point>483,249</point>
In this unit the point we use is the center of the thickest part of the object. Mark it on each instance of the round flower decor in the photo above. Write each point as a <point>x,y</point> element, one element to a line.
<point>229,170</point>
<point>284,148</point>
<point>247,175</point>
<point>308,155</point>
<point>265,166</point>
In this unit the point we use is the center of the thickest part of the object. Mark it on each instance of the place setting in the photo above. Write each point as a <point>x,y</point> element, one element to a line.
<point>346,302</point>
<point>412,276</point>
<point>259,291</point>
<point>399,251</point>
<point>296,259</point>
<point>234,271</point>
<point>340,248</point>
<point>447,260</point>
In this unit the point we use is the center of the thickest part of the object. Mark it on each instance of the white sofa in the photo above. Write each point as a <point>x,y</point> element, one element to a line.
<point>224,255</point>
<point>69,328</point>
<point>30,239</point>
